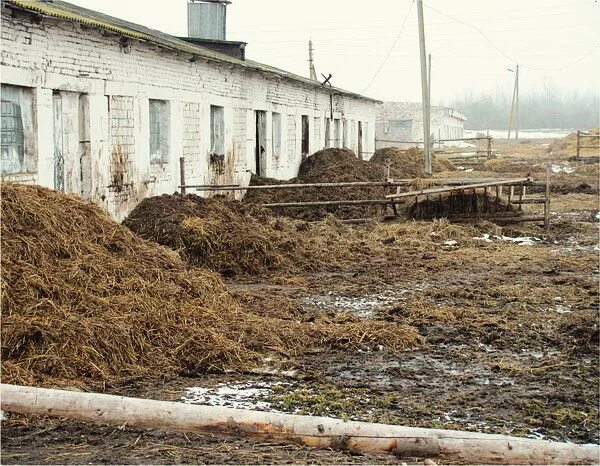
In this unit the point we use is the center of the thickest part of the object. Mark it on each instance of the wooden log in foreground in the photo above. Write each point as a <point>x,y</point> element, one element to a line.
<point>320,432</point>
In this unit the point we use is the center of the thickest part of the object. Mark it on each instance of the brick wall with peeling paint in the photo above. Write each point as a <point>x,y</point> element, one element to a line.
<point>57,56</point>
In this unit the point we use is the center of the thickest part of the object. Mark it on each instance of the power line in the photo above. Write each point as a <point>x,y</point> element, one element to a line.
<point>592,50</point>
<point>251,27</point>
<point>359,41</point>
<point>391,48</point>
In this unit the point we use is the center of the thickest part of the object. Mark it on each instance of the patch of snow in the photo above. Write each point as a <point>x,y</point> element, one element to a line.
<point>451,242</point>
<point>469,170</point>
<point>563,169</point>
<point>536,435</point>
<point>561,309</point>
<point>520,240</point>
<point>3,416</point>
<point>242,395</point>
<point>542,133</point>
<point>460,144</point>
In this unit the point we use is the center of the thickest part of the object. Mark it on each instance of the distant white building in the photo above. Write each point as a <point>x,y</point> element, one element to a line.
<point>400,124</point>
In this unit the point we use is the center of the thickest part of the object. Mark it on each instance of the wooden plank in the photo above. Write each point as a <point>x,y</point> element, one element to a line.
<point>497,218</point>
<point>330,203</point>
<point>547,200</point>
<point>506,182</point>
<point>391,183</point>
<point>530,200</point>
<point>346,184</point>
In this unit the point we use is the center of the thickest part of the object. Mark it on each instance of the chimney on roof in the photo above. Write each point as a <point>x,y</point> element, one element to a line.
<point>207,19</point>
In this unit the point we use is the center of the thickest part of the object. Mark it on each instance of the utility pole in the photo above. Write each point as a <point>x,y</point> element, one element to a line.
<point>429,77</point>
<point>514,106</point>
<point>429,93</point>
<point>517,105</point>
<point>424,89</point>
<point>311,62</point>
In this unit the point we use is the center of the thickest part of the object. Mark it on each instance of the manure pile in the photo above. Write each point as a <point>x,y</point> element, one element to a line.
<point>408,163</point>
<point>85,301</point>
<point>448,205</point>
<point>325,166</point>
<point>233,238</point>
<point>341,165</point>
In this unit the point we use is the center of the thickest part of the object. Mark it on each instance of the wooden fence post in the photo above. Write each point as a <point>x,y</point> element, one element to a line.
<point>547,202</point>
<point>182,174</point>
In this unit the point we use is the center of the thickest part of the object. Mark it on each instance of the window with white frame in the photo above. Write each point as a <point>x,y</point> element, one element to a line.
<point>217,131</point>
<point>327,132</point>
<point>276,137</point>
<point>159,131</point>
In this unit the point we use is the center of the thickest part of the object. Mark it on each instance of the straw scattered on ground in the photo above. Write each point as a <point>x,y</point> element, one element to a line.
<point>85,301</point>
<point>568,145</point>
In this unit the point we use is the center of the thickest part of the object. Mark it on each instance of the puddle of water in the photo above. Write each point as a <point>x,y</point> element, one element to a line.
<point>361,306</point>
<point>241,395</point>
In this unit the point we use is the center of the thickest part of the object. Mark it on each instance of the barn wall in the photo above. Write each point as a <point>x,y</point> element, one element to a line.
<point>106,90</point>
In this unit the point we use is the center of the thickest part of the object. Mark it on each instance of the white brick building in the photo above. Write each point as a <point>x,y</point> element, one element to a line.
<point>403,121</point>
<point>105,108</point>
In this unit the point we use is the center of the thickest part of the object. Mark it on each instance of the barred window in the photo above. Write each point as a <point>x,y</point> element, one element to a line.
<point>217,130</point>
<point>159,131</point>
<point>13,138</point>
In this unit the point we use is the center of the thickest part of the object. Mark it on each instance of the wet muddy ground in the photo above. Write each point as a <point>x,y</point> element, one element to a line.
<point>510,346</point>
<point>500,356</point>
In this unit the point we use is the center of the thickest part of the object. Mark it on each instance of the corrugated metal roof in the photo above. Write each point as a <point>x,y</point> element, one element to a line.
<point>69,12</point>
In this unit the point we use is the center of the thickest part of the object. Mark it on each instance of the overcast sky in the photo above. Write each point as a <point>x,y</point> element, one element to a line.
<point>548,38</point>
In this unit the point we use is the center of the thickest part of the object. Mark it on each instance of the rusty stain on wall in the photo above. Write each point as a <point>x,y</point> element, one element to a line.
<point>118,169</point>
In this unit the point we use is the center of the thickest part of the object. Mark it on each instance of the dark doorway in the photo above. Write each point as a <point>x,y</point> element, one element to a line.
<point>305,137</point>
<point>360,138</point>
<point>261,143</point>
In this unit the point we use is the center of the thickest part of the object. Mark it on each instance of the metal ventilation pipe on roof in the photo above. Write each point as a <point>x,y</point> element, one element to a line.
<point>207,19</point>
